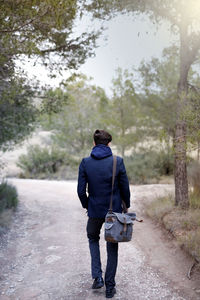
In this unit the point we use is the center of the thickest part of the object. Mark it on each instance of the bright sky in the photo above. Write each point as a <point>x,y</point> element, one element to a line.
<point>128,42</point>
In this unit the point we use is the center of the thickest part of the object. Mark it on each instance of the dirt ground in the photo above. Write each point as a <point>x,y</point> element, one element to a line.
<point>45,253</point>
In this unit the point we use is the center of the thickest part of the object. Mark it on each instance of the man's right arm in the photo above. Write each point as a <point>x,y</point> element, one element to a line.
<point>82,184</point>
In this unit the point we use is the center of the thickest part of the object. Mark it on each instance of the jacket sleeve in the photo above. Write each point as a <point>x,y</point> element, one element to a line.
<point>82,184</point>
<point>124,184</point>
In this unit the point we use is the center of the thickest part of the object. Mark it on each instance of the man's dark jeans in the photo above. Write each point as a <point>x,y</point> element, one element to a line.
<point>93,232</point>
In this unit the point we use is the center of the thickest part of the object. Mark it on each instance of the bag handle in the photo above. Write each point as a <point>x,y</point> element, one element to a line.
<point>113,181</point>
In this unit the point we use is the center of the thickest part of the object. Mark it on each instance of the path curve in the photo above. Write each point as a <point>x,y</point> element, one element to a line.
<point>45,255</point>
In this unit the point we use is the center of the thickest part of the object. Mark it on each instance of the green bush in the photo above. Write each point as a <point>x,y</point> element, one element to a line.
<point>8,196</point>
<point>146,166</point>
<point>164,163</point>
<point>40,162</point>
<point>140,168</point>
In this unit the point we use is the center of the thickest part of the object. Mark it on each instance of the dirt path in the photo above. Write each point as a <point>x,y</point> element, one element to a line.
<point>45,254</point>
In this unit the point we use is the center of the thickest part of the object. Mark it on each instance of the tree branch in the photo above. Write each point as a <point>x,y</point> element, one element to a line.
<point>25,24</point>
<point>59,48</point>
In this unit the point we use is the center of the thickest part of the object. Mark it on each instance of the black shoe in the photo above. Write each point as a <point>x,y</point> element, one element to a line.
<point>110,293</point>
<point>98,283</point>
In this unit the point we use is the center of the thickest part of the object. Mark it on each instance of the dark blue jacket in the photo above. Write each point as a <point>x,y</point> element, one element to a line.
<point>95,182</point>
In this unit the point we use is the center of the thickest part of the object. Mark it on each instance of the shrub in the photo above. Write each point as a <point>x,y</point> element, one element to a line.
<point>147,165</point>
<point>8,196</point>
<point>160,207</point>
<point>140,167</point>
<point>40,162</point>
<point>164,163</point>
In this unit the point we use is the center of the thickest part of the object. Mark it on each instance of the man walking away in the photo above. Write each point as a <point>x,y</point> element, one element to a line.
<point>95,176</point>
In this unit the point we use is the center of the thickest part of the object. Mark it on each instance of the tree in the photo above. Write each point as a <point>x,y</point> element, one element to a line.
<point>159,78</point>
<point>159,84</point>
<point>74,125</point>
<point>124,112</point>
<point>18,112</point>
<point>193,116</point>
<point>184,19</point>
<point>39,28</point>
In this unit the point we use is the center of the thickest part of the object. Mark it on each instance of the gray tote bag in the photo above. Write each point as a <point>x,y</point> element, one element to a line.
<point>118,226</point>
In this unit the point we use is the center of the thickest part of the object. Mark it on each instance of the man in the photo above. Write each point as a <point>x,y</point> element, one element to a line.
<point>95,173</point>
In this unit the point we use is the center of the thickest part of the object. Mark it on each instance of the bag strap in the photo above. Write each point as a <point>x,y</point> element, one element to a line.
<point>113,181</point>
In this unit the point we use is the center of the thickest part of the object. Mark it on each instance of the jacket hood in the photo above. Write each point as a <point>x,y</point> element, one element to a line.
<point>101,151</point>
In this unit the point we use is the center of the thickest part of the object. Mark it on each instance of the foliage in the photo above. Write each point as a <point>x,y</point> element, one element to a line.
<point>53,101</point>
<point>42,30</point>
<point>165,162</point>
<point>145,166</point>
<point>73,127</point>
<point>17,111</point>
<point>39,28</point>
<point>8,196</point>
<point>41,160</point>
<point>159,80</point>
<point>88,108</point>
<point>192,115</point>
<point>183,16</point>
<point>124,112</point>
<point>140,168</point>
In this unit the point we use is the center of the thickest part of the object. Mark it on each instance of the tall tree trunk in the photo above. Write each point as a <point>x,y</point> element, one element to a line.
<point>180,143</point>
<point>180,172</point>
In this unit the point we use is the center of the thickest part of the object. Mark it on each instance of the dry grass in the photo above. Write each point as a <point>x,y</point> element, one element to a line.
<point>183,224</point>
<point>191,243</point>
<point>195,200</point>
<point>166,179</point>
<point>160,207</point>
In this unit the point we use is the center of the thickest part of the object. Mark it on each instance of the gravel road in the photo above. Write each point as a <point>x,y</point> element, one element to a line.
<point>45,253</point>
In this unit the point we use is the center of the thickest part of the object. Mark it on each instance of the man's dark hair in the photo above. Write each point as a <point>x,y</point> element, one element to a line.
<point>102,137</point>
